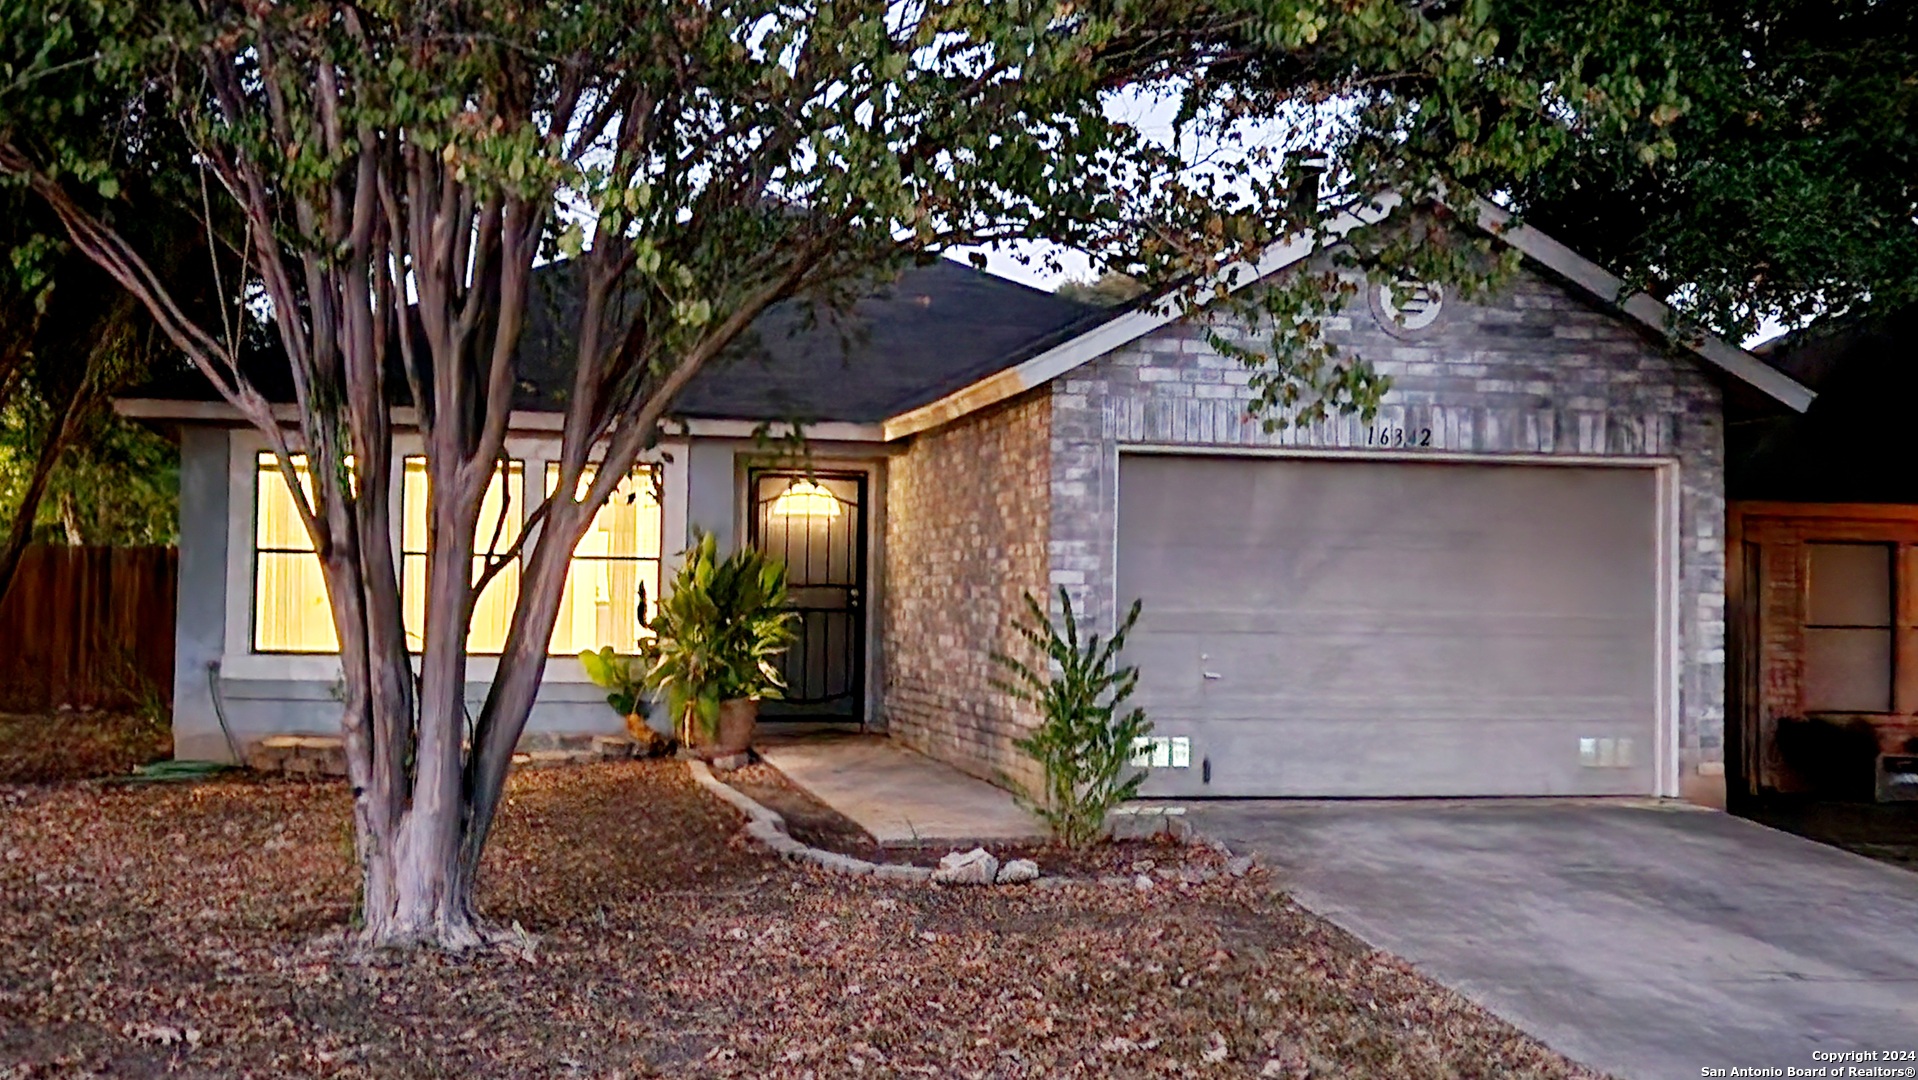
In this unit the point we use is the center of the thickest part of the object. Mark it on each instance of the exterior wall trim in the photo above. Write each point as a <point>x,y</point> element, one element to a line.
<point>1648,311</point>
<point>219,412</point>
<point>1666,769</point>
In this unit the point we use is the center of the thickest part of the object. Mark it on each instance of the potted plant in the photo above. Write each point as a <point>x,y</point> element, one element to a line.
<point>717,635</point>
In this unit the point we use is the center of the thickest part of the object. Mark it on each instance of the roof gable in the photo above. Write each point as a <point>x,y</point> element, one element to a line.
<point>1586,276</point>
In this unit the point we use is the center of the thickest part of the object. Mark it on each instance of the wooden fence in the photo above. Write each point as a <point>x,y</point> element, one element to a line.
<point>88,627</point>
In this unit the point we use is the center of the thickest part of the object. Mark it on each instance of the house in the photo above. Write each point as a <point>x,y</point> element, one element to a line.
<point>1823,586</point>
<point>1511,581</point>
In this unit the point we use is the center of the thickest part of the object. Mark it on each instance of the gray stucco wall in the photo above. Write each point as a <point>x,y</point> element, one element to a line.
<point>1534,370</point>
<point>258,707</point>
<point>200,617</point>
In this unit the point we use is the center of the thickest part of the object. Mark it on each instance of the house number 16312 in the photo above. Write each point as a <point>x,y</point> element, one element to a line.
<point>1398,436</point>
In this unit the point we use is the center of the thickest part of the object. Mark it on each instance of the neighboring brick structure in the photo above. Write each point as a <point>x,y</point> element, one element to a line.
<point>1770,604</point>
<point>966,531</point>
<point>1533,370</point>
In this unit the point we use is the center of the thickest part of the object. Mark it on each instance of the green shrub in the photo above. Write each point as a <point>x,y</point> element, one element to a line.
<point>1084,744</point>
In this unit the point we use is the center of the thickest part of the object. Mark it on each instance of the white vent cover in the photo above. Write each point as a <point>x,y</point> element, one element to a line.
<point>1416,307</point>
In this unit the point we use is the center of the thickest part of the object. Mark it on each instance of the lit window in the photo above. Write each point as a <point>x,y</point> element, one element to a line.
<point>615,569</point>
<point>290,611</point>
<point>500,514</point>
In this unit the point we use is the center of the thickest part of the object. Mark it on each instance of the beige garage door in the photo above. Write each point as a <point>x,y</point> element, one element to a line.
<point>1359,628</point>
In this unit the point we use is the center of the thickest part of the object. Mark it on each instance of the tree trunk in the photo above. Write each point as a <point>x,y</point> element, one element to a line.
<point>70,519</point>
<point>21,530</point>
<point>416,890</point>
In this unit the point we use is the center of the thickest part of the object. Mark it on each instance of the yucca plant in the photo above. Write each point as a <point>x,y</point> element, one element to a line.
<point>718,635</point>
<point>1084,744</point>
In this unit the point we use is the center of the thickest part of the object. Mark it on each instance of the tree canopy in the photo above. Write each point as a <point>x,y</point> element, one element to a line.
<point>382,179</point>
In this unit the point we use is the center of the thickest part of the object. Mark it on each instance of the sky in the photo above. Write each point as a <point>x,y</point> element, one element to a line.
<point>1047,266</point>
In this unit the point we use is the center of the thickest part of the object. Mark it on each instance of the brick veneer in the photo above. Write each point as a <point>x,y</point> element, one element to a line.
<point>1533,370</point>
<point>966,534</point>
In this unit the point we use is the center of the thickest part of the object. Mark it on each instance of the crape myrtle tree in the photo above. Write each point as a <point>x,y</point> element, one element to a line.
<point>378,180</point>
<point>390,173</point>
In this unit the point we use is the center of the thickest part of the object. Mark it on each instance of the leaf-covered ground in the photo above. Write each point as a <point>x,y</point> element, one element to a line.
<point>195,930</point>
<point>46,747</point>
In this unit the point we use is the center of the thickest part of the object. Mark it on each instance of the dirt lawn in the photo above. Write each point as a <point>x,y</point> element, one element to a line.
<point>195,930</point>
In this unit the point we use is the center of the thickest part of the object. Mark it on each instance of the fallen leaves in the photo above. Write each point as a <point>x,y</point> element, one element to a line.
<point>638,941</point>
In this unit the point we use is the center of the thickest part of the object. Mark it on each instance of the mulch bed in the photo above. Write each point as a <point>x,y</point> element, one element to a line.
<point>41,748</point>
<point>195,930</point>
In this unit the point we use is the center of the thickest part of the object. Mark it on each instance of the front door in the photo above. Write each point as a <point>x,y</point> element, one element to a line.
<point>815,523</point>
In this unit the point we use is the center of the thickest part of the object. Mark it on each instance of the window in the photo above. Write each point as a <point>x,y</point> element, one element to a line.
<point>615,570</point>
<point>500,513</point>
<point>290,610</point>
<point>1848,628</point>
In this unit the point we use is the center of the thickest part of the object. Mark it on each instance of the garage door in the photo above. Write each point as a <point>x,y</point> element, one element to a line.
<point>1359,628</point>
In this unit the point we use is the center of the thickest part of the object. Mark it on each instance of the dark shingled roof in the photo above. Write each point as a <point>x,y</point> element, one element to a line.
<point>938,328</point>
<point>1851,445</point>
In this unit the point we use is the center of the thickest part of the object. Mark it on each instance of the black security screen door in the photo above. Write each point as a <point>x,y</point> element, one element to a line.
<point>816,523</point>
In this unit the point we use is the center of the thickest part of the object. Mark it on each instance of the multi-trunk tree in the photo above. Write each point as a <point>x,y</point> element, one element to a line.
<point>390,174</point>
<point>378,180</point>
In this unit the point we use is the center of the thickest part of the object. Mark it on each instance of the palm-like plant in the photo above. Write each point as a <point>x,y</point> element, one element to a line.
<point>1084,745</point>
<point>718,635</point>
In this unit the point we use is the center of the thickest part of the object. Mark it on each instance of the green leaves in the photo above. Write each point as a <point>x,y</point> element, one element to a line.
<point>622,675</point>
<point>1084,744</point>
<point>719,631</point>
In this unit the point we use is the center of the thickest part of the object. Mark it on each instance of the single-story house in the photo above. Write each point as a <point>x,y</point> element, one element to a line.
<point>1823,570</point>
<point>1511,581</point>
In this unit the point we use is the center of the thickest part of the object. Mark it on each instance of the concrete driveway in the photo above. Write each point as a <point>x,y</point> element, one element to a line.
<point>1648,941</point>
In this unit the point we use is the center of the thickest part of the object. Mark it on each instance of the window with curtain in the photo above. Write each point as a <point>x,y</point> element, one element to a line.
<point>1848,628</point>
<point>615,569</point>
<point>290,611</point>
<point>501,512</point>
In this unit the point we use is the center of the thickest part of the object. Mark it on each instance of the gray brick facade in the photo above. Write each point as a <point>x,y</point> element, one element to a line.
<point>1534,370</point>
<point>966,531</point>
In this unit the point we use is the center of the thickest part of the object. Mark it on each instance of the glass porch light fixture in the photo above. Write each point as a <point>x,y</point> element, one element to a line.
<point>804,498</point>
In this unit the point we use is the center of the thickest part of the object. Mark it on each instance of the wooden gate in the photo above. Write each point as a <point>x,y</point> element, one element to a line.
<point>88,628</point>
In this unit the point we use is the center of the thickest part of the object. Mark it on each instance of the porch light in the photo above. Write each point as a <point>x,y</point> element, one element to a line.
<point>804,498</point>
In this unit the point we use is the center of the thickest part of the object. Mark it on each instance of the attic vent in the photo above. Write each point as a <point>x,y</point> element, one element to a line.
<point>1416,307</point>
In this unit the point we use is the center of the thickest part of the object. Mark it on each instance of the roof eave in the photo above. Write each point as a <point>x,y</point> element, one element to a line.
<point>522,421</point>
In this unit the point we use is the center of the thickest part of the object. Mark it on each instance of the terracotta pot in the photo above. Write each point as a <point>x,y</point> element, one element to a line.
<point>737,719</point>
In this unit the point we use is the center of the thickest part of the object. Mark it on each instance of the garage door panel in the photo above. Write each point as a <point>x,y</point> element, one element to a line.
<point>1383,612</point>
<point>1441,658</point>
<point>1333,757</point>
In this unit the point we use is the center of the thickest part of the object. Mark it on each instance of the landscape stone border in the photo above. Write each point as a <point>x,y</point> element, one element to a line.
<point>769,828</point>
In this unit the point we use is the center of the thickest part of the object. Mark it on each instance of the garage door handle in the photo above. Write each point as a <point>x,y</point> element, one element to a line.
<point>1210,674</point>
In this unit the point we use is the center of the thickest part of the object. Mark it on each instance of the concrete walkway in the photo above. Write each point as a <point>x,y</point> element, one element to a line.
<point>902,798</point>
<point>1647,941</point>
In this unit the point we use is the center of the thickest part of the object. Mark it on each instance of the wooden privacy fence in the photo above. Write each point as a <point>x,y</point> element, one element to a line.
<point>88,628</point>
